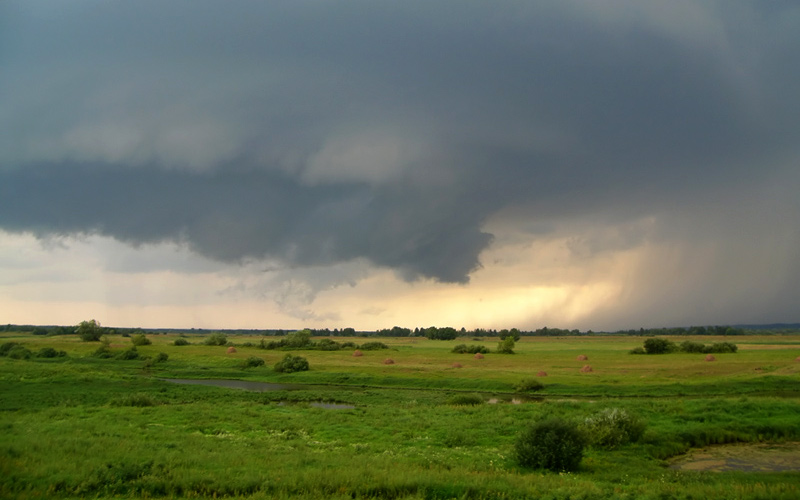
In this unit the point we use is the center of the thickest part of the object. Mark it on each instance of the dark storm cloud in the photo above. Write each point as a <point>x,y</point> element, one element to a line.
<point>320,132</point>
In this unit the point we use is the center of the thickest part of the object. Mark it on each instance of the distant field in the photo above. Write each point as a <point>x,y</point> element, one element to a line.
<point>83,426</point>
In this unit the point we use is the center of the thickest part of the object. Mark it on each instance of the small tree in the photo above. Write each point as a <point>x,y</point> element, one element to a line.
<point>89,331</point>
<point>506,346</point>
<point>300,338</point>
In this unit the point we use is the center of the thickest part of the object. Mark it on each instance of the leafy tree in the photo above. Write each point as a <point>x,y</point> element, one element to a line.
<point>300,338</point>
<point>506,346</point>
<point>89,331</point>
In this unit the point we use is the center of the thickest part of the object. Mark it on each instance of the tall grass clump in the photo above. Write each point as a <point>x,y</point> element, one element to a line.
<point>180,341</point>
<point>529,385</point>
<point>216,339</point>
<point>465,400</point>
<point>552,444</point>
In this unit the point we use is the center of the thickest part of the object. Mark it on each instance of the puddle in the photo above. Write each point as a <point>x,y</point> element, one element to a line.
<point>760,457</point>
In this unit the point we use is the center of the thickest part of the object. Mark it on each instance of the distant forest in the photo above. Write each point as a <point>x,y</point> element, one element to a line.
<point>432,332</point>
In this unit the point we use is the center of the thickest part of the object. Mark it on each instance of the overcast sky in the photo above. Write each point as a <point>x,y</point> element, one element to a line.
<point>574,164</point>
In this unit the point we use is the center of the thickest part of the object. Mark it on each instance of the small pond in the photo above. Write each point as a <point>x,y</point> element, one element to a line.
<point>759,457</point>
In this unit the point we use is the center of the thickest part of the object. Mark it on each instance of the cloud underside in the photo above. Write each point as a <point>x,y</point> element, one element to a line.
<point>414,137</point>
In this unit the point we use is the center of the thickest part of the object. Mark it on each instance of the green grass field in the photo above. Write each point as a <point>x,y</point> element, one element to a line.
<point>84,427</point>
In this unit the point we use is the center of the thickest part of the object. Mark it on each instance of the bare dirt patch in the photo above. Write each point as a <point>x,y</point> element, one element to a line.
<point>761,457</point>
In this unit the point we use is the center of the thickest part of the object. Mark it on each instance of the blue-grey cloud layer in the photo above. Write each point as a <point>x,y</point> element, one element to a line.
<point>321,132</point>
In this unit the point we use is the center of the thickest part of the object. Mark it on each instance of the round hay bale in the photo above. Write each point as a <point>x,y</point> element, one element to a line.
<point>357,353</point>
<point>231,350</point>
<point>541,374</point>
<point>710,357</point>
<point>457,365</point>
<point>388,361</point>
<point>583,357</point>
<point>586,369</point>
<point>478,355</point>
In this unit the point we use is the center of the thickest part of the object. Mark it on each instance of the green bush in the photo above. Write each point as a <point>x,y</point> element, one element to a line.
<point>216,339</point>
<point>49,352</point>
<point>128,354</point>
<point>327,345</point>
<point>613,427</point>
<point>253,362</point>
<point>19,352</point>
<point>506,346</point>
<point>553,444</point>
<point>102,352</point>
<point>140,339</point>
<point>373,346</point>
<point>529,385</point>
<point>7,346</point>
<point>470,349</point>
<point>89,331</point>
<point>465,400</point>
<point>180,341</point>
<point>637,350</point>
<point>161,357</point>
<point>659,346</point>
<point>721,348</point>
<point>290,364</point>
<point>693,347</point>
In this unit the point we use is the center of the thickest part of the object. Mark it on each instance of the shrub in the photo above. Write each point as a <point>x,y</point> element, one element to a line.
<point>659,346</point>
<point>637,350</point>
<point>216,339</point>
<point>7,346</point>
<point>180,341</point>
<point>689,346</point>
<point>553,444</point>
<point>722,347</point>
<point>290,364</point>
<point>128,354</point>
<point>529,385</point>
<point>49,352</point>
<point>506,346</point>
<point>373,346</point>
<point>102,352</point>
<point>469,349</point>
<point>465,400</point>
<point>19,352</point>
<point>300,338</point>
<point>161,357</point>
<point>327,345</point>
<point>613,427</point>
<point>89,331</point>
<point>140,339</point>
<point>253,362</point>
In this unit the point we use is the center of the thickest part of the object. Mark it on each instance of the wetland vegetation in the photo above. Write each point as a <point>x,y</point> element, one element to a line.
<point>81,425</point>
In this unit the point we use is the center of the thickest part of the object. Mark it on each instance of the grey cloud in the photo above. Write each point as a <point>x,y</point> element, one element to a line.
<point>259,130</point>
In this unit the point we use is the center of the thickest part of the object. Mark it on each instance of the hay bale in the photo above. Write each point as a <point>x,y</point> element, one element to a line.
<point>583,357</point>
<point>457,365</point>
<point>541,374</point>
<point>357,353</point>
<point>586,369</point>
<point>710,357</point>
<point>478,355</point>
<point>231,350</point>
<point>388,361</point>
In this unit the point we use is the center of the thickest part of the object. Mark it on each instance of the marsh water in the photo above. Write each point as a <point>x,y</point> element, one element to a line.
<point>762,457</point>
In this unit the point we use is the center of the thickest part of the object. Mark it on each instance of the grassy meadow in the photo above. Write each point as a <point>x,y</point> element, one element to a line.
<point>80,426</point>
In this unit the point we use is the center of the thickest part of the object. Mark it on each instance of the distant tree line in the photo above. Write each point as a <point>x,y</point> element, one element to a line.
<point>431,332</point>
